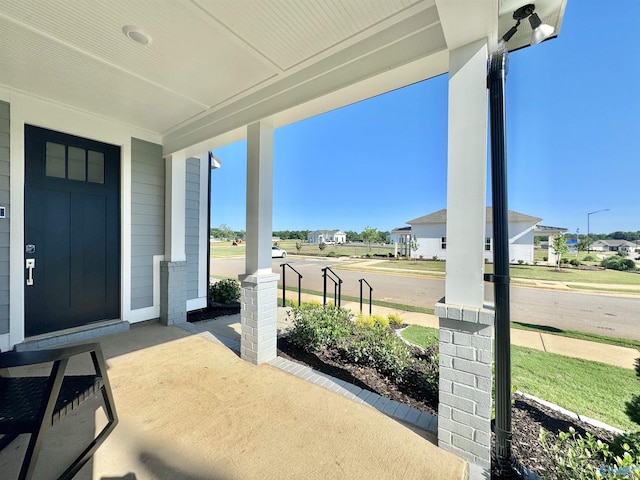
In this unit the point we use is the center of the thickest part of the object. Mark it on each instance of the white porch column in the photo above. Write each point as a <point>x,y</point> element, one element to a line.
<point>259,297</point>
<point>464,411</point>
<point>173,270</point>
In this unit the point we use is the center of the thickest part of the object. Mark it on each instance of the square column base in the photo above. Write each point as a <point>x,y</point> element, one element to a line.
<point>259,317</point>
<point>173,293</point>
<point>464,409</point>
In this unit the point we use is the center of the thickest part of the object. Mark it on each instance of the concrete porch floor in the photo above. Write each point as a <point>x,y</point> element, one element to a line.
<point>189,408</point>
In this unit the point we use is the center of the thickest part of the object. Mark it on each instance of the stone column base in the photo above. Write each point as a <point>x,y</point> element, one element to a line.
<point>173,293</point>
<point>259,317</point>
<point>464,410</point>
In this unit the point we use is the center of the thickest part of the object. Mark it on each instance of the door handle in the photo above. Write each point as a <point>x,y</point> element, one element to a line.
<point>30,264</point>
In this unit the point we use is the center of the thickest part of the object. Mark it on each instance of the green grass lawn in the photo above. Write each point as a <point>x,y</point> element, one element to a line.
<point>588,388</point>
<point>348,249</point>
<point>531,272</point>
<point>226,250</point>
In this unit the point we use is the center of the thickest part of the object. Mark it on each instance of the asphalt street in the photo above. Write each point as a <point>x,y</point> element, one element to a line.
<point>605,314</point>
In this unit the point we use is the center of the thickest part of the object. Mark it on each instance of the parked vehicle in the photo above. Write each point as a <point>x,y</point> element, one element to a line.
<point>277,252</point>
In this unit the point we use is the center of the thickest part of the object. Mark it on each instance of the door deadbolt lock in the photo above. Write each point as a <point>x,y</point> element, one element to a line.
<point>30,264</point>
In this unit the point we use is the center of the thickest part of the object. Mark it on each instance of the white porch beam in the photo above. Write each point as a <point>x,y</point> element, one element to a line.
<point>173,270</point>
<point>259,197</point>
<point>466,175</point>
<point>259,295</point>
<point>466,328</point>
<point>175,200</point>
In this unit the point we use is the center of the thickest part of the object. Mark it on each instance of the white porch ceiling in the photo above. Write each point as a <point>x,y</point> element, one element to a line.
<point>215,65</point>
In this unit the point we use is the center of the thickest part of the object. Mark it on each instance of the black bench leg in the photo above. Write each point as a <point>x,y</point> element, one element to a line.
<point>112,417</point>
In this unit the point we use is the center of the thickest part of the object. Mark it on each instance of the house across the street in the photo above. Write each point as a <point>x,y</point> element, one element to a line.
<point>614,246</point>
<point>327,236</point>
<point>431,236</point>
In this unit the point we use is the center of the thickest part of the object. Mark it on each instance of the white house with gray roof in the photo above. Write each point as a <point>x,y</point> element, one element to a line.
<point>431,236</point>
<point>319,236</point>
<point>610,245</point>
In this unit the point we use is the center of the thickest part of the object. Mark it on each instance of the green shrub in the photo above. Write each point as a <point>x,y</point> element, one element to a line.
<point>331,254</point>
<point>520,262</point>
<point>378,348</point>
<point>426,368</point>
<point>576,457</point>
<point>545,258</point>
<point>575,262</point>
<point>618,263</point>
<point>632,440</point>
<point>318,327</point>
<point>371,321</point>
<point>322,246</point>
<point>590,258</point>
<point>564,260</point>
<point>394,320</point>
<point>224,291</point>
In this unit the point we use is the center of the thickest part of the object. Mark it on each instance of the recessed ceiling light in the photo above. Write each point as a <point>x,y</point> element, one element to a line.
<point>136,34</point>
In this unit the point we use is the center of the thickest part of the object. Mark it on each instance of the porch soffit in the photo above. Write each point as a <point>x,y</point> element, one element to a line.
<point>205,57</point>
<point>216,65</point>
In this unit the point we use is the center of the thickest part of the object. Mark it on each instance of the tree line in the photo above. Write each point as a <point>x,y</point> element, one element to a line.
<point>368,235</point>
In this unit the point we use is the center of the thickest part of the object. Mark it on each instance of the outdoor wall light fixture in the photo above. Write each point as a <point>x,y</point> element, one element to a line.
<point>541,31</point>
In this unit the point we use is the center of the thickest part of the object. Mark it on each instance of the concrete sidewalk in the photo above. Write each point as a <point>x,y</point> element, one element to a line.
<point>568,347</point>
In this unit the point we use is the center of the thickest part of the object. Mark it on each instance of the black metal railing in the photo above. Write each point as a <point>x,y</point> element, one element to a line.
<point>284,284</point>
<point>337,286</point>
<point>370,294</point>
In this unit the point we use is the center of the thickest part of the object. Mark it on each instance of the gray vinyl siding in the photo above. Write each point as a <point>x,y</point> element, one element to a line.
<point>192,225</point>
<point>147,218</point>
<point>4,222</point>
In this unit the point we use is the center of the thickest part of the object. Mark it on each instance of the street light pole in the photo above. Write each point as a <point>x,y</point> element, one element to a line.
<point>588,216</point>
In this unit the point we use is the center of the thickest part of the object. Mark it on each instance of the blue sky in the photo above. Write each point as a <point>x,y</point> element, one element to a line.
<point>573,133</point>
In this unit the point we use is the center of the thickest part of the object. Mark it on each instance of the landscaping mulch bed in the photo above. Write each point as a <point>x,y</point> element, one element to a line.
<point>528,416</point>
<point>213,311</point>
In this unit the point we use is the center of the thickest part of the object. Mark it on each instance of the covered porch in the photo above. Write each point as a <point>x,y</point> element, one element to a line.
<point>189,408</point>
<point>166,85</point>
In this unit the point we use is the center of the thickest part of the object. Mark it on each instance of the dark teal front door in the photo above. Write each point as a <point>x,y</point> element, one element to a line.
<point>72,231</point>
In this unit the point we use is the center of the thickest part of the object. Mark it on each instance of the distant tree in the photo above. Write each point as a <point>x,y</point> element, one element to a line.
<point>352,236</point>
<point>322,246</point>
<point>536,240</point>
<point>383,237</point>
<point>559,247</point>
<point>298,246</point>
<point>583,244</point>
<point>369,235</point>
<point>225,232</point>
<point>414,248</point>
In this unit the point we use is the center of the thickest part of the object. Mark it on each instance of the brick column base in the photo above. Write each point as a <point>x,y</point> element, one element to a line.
<point>464,410</point>
<point>259,317</point>
<point>173,293</point>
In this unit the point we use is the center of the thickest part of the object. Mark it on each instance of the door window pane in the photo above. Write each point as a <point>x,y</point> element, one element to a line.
<point>77,168</point>
<point>95,167</point>
<point>54,162</point>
